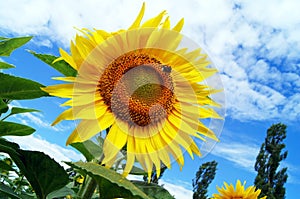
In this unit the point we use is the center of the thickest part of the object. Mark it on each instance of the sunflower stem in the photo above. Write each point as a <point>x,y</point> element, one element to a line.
<point>90,186</point>
<point>88,189</point>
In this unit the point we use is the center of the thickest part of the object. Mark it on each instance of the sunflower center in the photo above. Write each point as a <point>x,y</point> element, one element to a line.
<point>136,89</point>
<point>144,84</point>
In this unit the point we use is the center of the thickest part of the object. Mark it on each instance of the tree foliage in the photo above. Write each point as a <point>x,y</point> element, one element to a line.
<point>269,178</point>
<point>204,177</point>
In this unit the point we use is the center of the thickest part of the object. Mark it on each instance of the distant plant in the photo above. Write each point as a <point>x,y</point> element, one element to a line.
<point>204,177</point>
<point>269,178</point>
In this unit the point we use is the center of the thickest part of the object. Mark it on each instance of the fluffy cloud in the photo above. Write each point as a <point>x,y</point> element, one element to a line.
<point>255,47</point>
<point>36,119</point>
<point>242,155</point>
<point>37,143</point>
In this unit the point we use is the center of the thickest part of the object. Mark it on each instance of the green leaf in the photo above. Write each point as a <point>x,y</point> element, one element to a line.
<point>4,165</point>
<point>4,65</point>
<point>61,66</point>
<point>110,180</point>
<point>7,46</point>
<point>3,107</point>
<point>17,88</point>
<point>136,170</point>
<point>6,146</point>
<point>16,110</point>
<point>11,128</point>
<point>6,190</point>
<point>153,190</point>
<point>89,149</point>
<point>43,173</point>
<point>61,193</point>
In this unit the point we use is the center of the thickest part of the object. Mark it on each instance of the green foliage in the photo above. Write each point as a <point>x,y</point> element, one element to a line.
<point>4,65</point>
<point>269,179</point>
<point>153,190</point>
<point>16,110</point>
<point>8,192</point>
<point>3,106</point>
<point>44,174</point>
<point>11,128</point>
<point>61,193</point>
<point>204,177</point>
<point>111,184</point>
<point>137,171</point>
<point>61,66</point>
<point>17,88</point>
<point>7,46</point>
<point>89,149</point>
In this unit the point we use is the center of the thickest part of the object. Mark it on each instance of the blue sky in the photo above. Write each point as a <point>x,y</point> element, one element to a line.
<point>255,45</point>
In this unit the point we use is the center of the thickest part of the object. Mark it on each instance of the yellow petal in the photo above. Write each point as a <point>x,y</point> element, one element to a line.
<point>179,25</point>
<point>65,115</point>
<point>139,18</point>
<point>69,59</point>
<point>88,128</point>
<point>61,90</point>
<point>155,21</point>
<point>166,24</point>
<point>113,143</point>
<point>129,161</point>
<point>66,79</point>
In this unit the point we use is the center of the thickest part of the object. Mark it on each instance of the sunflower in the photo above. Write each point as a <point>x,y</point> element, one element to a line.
<point>228,192</point>
<point>140,85</point>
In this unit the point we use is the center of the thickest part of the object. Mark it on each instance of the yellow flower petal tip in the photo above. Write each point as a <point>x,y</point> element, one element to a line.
<point>143,85</point>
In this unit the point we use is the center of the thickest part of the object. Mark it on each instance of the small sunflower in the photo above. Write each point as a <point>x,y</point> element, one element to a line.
<point>150,93</point>
<point>228,192</point>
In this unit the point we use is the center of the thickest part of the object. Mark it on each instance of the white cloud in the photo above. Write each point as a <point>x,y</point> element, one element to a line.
<point>253,46</point>
<point>36,119</point>
<point>37,143</point>
<point>243,155</point>
<point>177,190</point>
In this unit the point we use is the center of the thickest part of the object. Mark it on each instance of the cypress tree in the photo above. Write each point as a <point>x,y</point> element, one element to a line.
<point>269,178</point>
<point>204,177</point>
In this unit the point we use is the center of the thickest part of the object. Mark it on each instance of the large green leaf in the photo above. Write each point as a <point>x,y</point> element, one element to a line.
<point>61,66</point>
<point>3,107</point>
<point>153,190</point>
<point>7,46</point>
<point>17,88</point>
<point>107,179</point>
<point>4,65</point>
<point>7,191</point>
<point>11,128</point>
<point>89,149</point>
<point>44,174</point>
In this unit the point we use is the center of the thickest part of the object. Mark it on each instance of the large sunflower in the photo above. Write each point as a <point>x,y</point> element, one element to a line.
<point>228,192</point>
<point>142,86</point>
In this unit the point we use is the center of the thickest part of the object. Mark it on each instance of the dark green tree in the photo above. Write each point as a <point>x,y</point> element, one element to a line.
<point>204,177</point>
<point>269,178</point>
